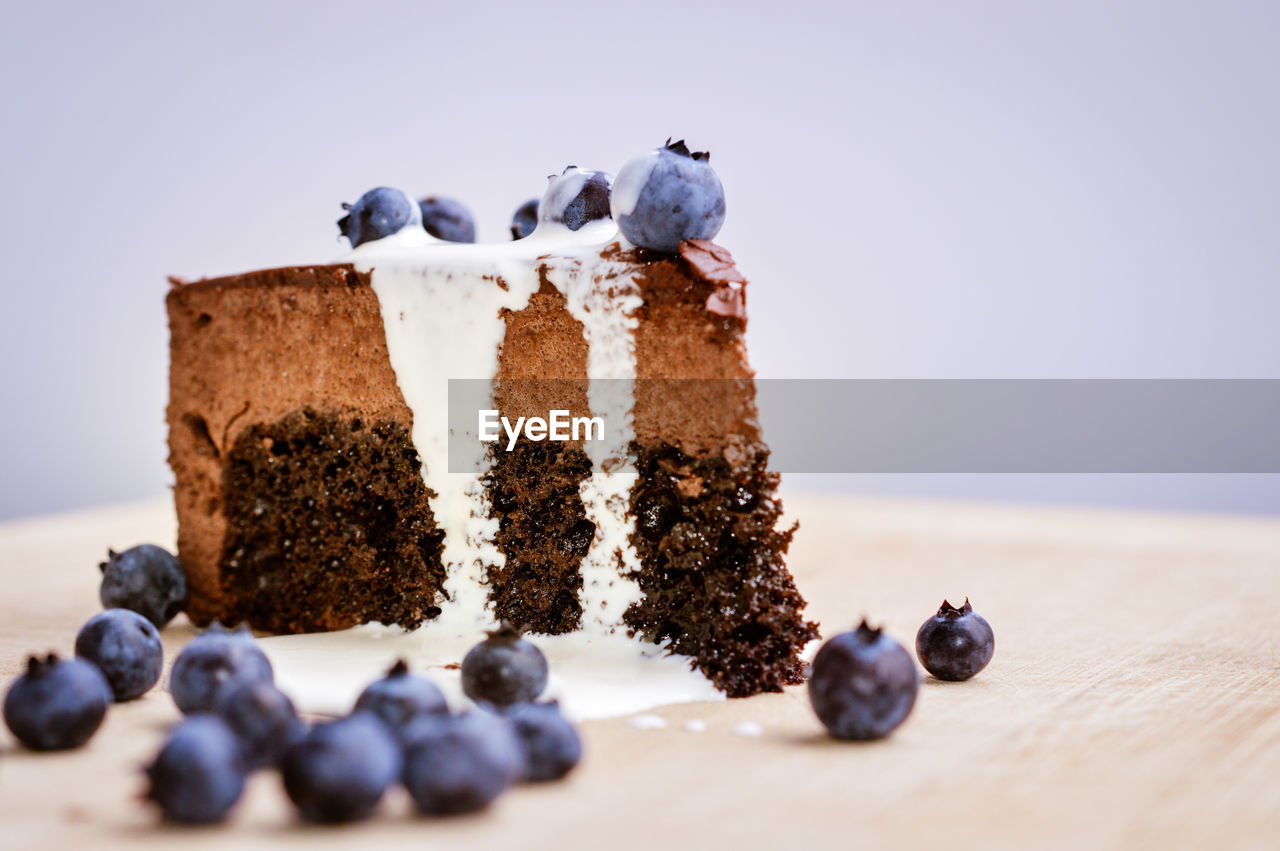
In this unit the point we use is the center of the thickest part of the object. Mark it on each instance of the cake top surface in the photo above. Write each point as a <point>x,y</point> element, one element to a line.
<point>665,205</point>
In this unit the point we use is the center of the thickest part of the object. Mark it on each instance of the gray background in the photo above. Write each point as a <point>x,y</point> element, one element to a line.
<point>916,190</point>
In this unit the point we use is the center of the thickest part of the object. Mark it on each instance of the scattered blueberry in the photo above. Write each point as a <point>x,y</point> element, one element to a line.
<point>263,719</point>
<point>198,775</point>
<point>339,770</point>
<point>145,579</point>
<point>460,763</point>
<point>863,684</point>
<point>525,219</point>
<point>126,648</point>
<point>666,196</point>
<point>504,669</point>
<point>955,643</point>
<point>448,219</point>
<point>576,197</point>
<point>379,212</point>
<point>210,662</point>
<point>551,744</point>
<point>58,704</point>
<point>400,696</point>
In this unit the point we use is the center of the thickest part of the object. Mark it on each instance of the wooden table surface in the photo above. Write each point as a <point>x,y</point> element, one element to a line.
<point>1134,701</point>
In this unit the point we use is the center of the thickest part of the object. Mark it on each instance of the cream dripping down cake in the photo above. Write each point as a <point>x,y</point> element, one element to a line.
<point>309,433</point>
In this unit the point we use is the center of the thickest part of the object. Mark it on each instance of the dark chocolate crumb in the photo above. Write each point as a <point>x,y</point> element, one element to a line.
<point>328,526</point>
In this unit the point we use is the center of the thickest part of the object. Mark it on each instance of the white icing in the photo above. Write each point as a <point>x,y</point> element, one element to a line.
<point>592,677</point>
<point>415,213</point>
<point>630,181</point>
<point>810,650</point>
<point>748,728</point>
<point>695,725</point>
<point>563,188</point>
<point>647,722</point>
<point>442,305</point>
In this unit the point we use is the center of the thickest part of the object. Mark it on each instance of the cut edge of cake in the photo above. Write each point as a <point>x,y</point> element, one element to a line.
<point>296,454</point>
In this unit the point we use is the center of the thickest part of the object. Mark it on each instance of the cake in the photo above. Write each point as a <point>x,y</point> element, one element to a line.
<point>328,473</point>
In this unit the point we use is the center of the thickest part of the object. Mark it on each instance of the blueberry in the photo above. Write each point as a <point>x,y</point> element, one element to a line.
<point>126,648</point>
<point>576,197</point>
<point>210,662</point>
<point>460,763</point>
<point>339,771</point>
<point>550,742</point>
<point>955,643</point>
<point>525,219</point>
<point>145,579</point>
<point>198,775</point>
<point>400,696</point>
<point>863,684</point>
<point>666,196</point>
<point>57,704</point>
<point>263,719</point>
<point>504,669</point>
<point>379,212</point>
<point>445,218</point>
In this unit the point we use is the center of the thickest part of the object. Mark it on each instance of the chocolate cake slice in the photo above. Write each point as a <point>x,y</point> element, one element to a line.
<point>310,439</point>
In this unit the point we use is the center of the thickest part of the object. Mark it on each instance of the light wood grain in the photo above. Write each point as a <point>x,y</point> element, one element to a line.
<point>1134,701</point>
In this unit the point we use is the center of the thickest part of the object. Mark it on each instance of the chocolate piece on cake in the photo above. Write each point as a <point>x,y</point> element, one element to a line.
<point>309,446</point>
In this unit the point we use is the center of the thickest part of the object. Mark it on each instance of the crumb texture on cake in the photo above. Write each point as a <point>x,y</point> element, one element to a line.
<point>715,583</point>
<point>543,531</point>
<point>328,526</point>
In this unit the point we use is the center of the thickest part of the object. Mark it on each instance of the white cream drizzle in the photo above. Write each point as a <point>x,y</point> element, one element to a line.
<point>647,722</point>
<point>591,676</point>
<point>604,298</point>
<point>630,182</point>
<point>442,311</point>
<point>441,306</point>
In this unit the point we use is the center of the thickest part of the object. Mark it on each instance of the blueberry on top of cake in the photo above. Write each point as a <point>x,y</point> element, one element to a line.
<point>309,432</point>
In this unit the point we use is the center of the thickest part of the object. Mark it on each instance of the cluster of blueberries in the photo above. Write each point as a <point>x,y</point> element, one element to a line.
<point>237,721</point>
<point>60,703</point>
<point>862,686</point>
<point>863,683</point>
<point>400,730</point>
<point>658,200</point>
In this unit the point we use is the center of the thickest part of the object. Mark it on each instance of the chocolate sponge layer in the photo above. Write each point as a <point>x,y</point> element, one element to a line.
<point>544,533</point>
<point>714,581</point>
<point>328,526</point>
